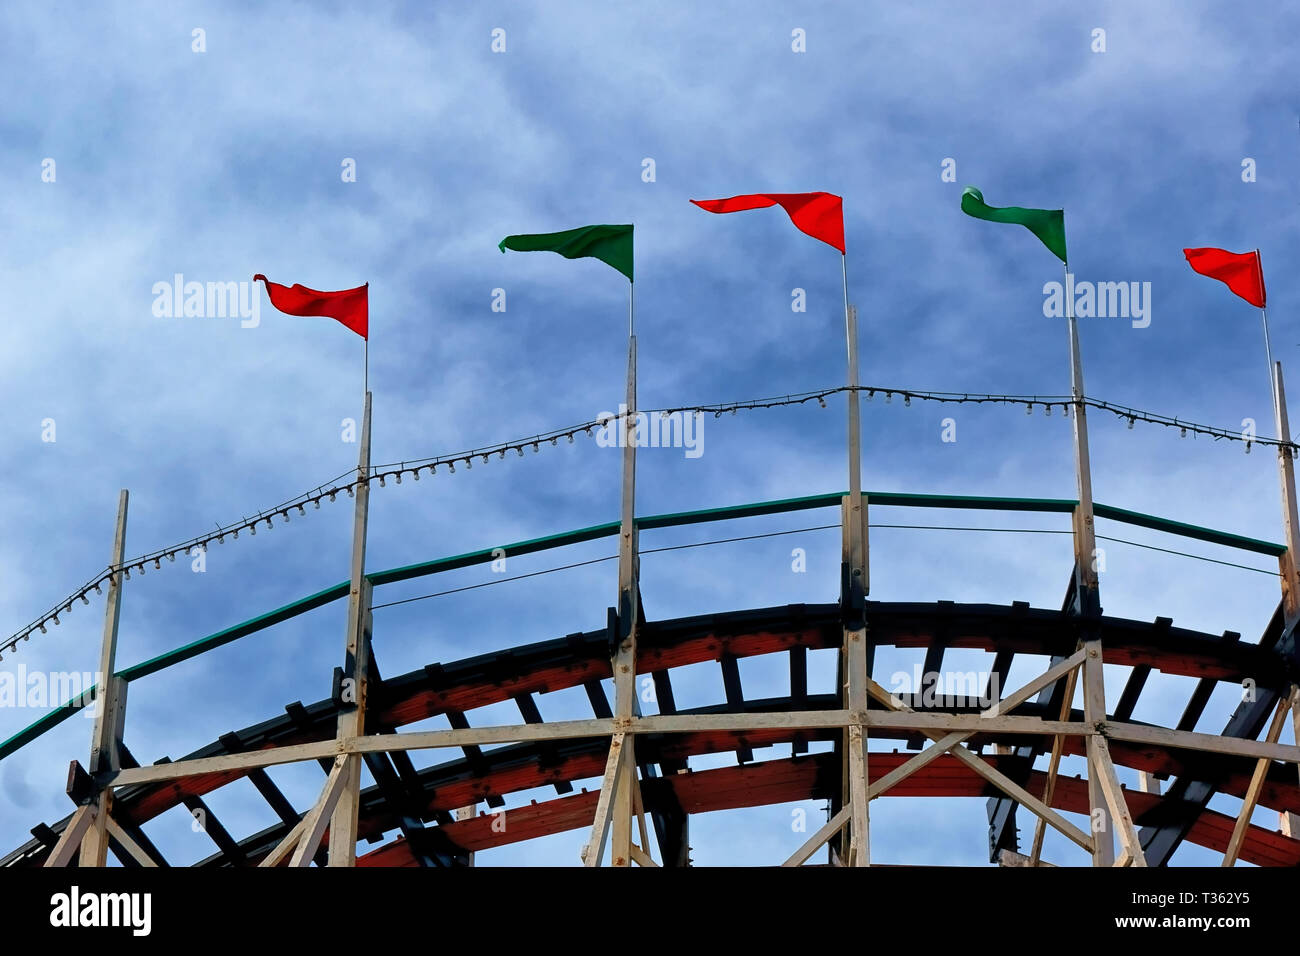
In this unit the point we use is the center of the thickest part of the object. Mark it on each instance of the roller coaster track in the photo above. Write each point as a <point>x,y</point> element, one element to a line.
<point>420,806</point>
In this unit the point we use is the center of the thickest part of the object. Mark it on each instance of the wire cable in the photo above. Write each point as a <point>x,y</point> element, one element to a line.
<point>823,527</point>
<point>413,468</point>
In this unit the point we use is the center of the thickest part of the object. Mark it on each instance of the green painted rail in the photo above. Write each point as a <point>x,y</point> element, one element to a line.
<point>610,529</point>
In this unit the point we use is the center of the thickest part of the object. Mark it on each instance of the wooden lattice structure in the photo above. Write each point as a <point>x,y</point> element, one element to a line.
<point>970,753</point>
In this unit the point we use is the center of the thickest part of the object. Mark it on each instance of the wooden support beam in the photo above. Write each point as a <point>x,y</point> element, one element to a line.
<point>678,723</point>
<point>1053,767</point>
<point>1188,796</point>
<point>599,702</point>
<point>473,754</point>
<point>638,809</point>
<point>212,826</point>
<point>1002,809</point>
<point>1287,563</point>
<point>853,650</point>
<point>1148,782</point>
<point>1094,714</point>
<point>903,771</point>
<point>71,839</point>
<point>319,817</point>
<point>973,723</point>
<point>642,858</point>
<point>1119,812</point>
<point>467,813</point>
<point>356,661</point>
<point>402,806</point>
<point>1087,594</point>
<point>1211,743</point>
<point>280,804</point>
<point>529,712</point>
<point>621,809</point>
<point>735,697</point>
<point>285,846</point>
<point>906,719</point>
<point>993,776</point>
<point>1200,696</point>
<point>860,842</point>
<point>818,839</point>
<point>623,664</point>
<point>132,830</point>
<point>799,689</point>
<point>1067,668</point>
<point>128,843</point>
<point>1137,680</point>
<point>594,851</point>
<point>1023,796</point>
<point>1256,783</point>
<point>110,700</point>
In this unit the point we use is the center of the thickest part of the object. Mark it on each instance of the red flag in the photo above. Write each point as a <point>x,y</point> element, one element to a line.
<point>820,215</point>
<point>349,306</point>
<point>1239,271</point>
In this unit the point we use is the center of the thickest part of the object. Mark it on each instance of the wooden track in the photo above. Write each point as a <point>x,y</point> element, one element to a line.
<point>420,804</point>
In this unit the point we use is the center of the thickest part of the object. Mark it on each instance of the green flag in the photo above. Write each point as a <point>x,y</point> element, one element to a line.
<point>610,244</point>
<point>1047,224</point>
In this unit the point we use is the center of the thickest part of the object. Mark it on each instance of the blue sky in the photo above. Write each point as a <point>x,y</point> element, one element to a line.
<point>224,163</point>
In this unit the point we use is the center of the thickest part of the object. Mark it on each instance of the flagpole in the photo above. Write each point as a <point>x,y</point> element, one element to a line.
<point>1268,345</point>
<point>1268,351</point>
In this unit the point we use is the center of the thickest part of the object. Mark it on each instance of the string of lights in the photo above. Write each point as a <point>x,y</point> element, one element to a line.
<point>1030,402</point>
<point>395,471</point>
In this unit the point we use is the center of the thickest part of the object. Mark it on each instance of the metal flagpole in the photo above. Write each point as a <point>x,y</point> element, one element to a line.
<point>1268,345</point>
<point>1268,349</point>
<point>855,587</point>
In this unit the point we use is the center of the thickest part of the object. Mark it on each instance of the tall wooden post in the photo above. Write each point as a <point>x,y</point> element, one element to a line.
<point>855,588</point>
<point>1087,597</point>
<point>624,663</point>
<point>110,703</point>
<point>356,660</point>
<point>617,803</point>
<point>1290,522</point>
